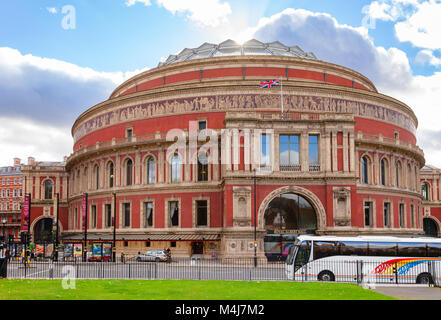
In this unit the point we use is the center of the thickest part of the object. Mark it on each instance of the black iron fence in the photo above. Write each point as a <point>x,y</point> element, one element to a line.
<point>177,268</point>
<point>360,272</point>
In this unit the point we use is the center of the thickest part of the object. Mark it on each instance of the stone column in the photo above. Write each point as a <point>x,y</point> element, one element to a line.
<point>276,148</point>
<point>137,166</point>
<point>118,171</point>
<point>345,152</point>
<point>352,152</point>
<point>334,152</point>
<point>236,150</point>
<point>328,152</point>
<point>304,152</point>
<point>160,165</point>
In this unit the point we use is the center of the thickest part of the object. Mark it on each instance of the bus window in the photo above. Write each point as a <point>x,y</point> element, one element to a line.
<point>302,256</point>
<point>434,249</point>
<point>353,248</point>
<point>382,249</point>
<point>323,249</point>
<point>411,249</point>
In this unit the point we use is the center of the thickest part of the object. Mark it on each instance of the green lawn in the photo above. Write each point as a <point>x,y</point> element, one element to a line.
<point>181,290</point>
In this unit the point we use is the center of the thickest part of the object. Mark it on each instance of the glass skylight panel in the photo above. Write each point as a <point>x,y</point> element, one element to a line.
<point>256,51</point>
<point>234,51</point>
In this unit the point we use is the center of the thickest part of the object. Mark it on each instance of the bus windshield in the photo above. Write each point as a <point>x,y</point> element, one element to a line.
<point>291,254</point>
<point>302,254</point>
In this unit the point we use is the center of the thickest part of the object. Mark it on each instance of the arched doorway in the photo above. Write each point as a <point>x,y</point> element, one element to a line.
<point>286,216</point>
<point>430,227</point>
<point>43,231</point>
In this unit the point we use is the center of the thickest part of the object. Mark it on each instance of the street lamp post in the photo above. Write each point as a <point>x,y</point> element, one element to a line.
<point>255,222</point>
<point>56,225</point>
<point>4,229</point>
<point>114,228</point>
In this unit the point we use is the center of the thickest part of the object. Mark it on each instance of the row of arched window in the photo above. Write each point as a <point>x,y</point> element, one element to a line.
<point>399,179</point>
<point>128,174</point>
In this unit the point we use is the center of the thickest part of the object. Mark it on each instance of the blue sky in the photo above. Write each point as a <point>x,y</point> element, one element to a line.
<point>49,74</point>
<point>110,36</point>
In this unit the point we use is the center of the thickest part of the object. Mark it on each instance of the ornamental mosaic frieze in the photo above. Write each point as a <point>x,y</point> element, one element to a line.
<point>243,102</point>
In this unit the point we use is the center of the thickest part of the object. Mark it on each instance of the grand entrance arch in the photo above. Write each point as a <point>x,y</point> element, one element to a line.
<point>430,227</point>
<point>43,230</point>
<point>285,214</point>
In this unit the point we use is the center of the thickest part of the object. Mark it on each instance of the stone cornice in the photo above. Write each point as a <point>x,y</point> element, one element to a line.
<point>241,61</point>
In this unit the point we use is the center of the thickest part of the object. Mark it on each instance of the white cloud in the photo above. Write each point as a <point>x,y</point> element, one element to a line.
<point>25,138</point>
<point>422,28</point>
<point>50,90</point>
<point>211,13</point>
<point>416,21</point>
<point>427,57</point>
<point>388,68</point>
<point>130,3</point>
<point>337,43</point>
<point>40,100</point>
<point>52,10</point>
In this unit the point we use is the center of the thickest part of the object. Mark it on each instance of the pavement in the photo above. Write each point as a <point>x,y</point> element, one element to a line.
<point>409,292</point>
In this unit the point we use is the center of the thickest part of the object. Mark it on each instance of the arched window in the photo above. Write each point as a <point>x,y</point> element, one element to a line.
<point>111,176</point>
<point>129,170</point>
<point>398,173</point>
<point>151,170</point>
<point>384,171</point>
<point>365,170</point>
<point>86,180</point>
<point>425,191</point>
<point>175,168</point>
<point>48,188</point>
<point>97,176</point>
<point>203,167</point>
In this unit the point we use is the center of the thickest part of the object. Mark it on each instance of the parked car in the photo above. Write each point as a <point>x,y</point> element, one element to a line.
<point>97,258</point>
<point>153,255</point>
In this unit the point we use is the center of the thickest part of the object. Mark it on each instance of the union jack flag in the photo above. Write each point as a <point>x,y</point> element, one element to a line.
<point>269,84</point>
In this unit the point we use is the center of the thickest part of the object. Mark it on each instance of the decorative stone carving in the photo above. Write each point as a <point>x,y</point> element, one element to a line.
<point>242,206</point>
<point>225,102</point>
<point>342,206</point>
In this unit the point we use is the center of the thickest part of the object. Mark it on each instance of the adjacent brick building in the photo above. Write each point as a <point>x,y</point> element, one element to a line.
<point>11,197</point>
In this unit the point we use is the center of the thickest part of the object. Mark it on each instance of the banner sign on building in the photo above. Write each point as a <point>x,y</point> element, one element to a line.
<point>84,211</point>
<point>26,209</point>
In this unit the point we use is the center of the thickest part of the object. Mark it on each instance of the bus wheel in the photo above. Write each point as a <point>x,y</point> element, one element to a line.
<point>424,278</point>
<point>326,276</point>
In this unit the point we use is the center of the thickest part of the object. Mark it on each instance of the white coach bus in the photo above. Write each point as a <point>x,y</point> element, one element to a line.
<point>365,258</point>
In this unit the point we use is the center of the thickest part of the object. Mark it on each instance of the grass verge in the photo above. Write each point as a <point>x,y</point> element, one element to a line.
<point>12,289</point>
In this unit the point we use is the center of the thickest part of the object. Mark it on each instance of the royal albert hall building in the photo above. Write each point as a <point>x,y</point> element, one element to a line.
<point>195,156</point>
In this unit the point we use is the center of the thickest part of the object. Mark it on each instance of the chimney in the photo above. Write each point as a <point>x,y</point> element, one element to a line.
<point>16,162</point>
<point>31,161</point>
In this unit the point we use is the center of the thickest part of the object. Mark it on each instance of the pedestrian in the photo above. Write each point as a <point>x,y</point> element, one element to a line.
<point>122,257</point>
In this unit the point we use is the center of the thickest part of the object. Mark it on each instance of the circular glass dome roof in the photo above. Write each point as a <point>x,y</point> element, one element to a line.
<point>232,48</point>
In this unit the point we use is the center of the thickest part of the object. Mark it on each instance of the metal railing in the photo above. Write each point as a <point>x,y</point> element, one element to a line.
<point>411,271</point>
<point>177,268</point>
